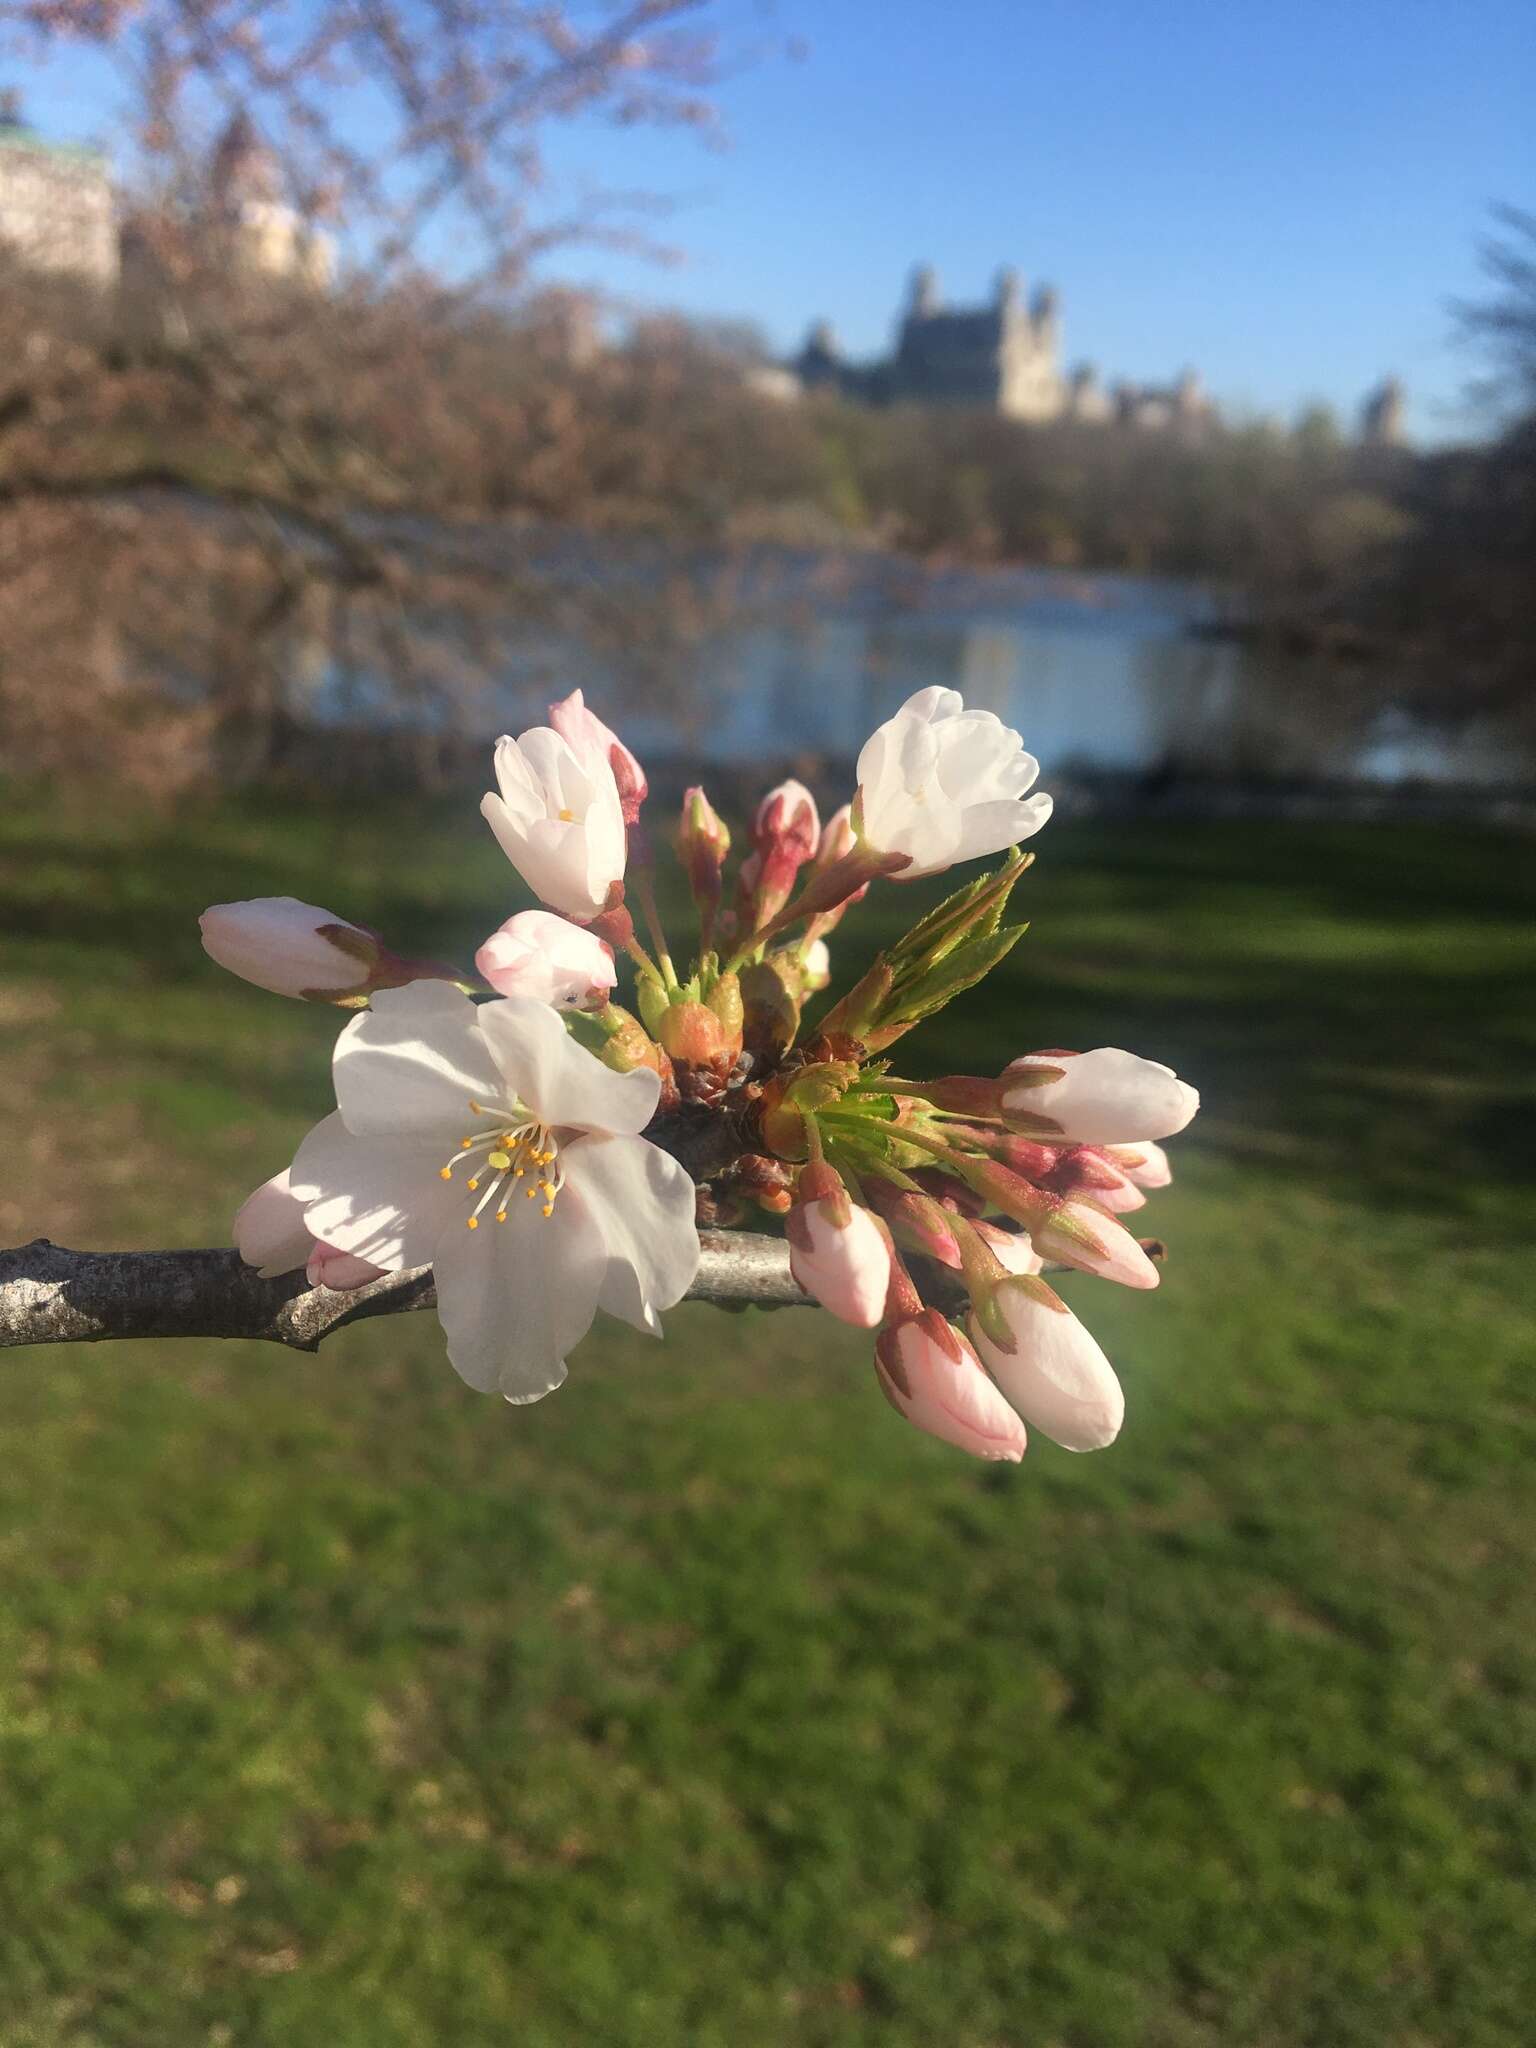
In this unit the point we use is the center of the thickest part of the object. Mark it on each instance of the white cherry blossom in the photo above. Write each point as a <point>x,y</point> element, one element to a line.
<point>942,784</point>
<point>487,1143</point>
<point>557,815</point>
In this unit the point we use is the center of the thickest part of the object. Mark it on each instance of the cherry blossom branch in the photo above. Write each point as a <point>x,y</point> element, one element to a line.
<point>51,1295</point>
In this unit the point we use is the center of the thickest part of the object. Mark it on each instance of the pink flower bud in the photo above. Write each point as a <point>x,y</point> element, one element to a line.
<point>1105,1097</point>
<point>702,846</point>
<point>1048,1365</point>
<point>931,1375</point>
<point>292,948</point>
<point>785,832</point>
<point>270,1234</point>
<point>338,1270</point>
<point>1064,1229</point>
<point>539,955</point>
<point>1011,1248</point>
<point>837,838</point>
<point>583,728</point>
<point>787,815</point>
<point>1085,1170</point>
<point>918,1222</point>
<point>836,1250</point>
<point>1146,1164</point>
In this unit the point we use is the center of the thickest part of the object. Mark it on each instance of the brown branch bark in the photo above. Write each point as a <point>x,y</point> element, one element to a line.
<point>50,1295</point>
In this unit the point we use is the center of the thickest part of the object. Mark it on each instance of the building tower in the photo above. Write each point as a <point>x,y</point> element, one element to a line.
<point>1381,416</point>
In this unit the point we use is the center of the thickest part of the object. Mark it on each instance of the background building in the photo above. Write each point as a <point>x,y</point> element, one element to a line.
<point>56,205</point>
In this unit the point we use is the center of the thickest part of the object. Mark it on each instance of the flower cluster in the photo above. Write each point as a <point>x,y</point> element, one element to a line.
<point>517,1129</point>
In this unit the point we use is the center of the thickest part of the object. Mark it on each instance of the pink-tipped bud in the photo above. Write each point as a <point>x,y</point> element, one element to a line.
<point>545,957</point>
<point>1065,1230</point>
<point>338,1270</point>
<point>949,1192</point>
<point>837,1251</point>
<point>1085,1170</point>
<point>1146,1164</point>
<point>932,1377</point>
<point>270,1234</point>
<point>785,833</point>
<point>918,1222</point>
<point>584,730</point>
<point>838,841</point>
<point>293,948</point>
<point>702,846</point>
<point>1011,1248</point>
<point>1048,1365</point>
<point>1105,1097</point>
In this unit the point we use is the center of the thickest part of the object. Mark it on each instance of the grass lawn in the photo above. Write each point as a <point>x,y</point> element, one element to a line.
<point>706,1705</point>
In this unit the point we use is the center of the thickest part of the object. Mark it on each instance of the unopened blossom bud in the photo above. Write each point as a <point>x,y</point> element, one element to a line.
<point>918,1223</point>
<point>1011,1248</point>
<point>1085,1170</point>
<point>703,844</point>
<point>931,1376</point>
<point>816,967</point>
<point>338,1270</point>
<point>949,1192</point>
<point>836,1249</point>
<point>838,842</point>
<point>1146,1164</point>
<point>1105,1097</point>
<point>1048,1365</point>
<point>583,728</point>
<point>785,834</point>
<point>1064,1229</point>
<point>293,948</point>
<point>549,959</point>
<point>270,1234</point>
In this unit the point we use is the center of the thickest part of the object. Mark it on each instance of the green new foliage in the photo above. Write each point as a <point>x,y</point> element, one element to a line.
<point>946,952</point>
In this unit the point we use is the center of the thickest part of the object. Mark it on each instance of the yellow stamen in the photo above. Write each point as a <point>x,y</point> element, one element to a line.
<point>465,1143</point>
<point>567,817</point>
<point>501,1215</point>
<point>530,1193</point>
<point>472,1223</point>
<point>445,1173</point>
<point>549,1208</point>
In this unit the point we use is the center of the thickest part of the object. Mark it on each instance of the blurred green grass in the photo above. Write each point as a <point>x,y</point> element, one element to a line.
<point>705,1704</point>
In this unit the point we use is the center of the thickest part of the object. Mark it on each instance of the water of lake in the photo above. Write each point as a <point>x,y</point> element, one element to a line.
<point>1101,674</point>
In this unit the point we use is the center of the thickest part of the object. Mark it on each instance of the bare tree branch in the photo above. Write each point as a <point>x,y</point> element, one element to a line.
<point>50,1295</point>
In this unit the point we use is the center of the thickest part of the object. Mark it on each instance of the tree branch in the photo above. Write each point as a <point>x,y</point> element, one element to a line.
<point>49,1295</point>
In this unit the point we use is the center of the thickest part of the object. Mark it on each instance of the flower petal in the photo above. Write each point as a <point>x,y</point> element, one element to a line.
<point>559,1080</point>
<point>643,1202</point>
<point>411,1065</point>
<point>379,1198</point>
<point>515,1298</point>
<point>269,1229</point>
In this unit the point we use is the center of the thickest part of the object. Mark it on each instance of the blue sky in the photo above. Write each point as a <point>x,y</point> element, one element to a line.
<point>1283,194</point>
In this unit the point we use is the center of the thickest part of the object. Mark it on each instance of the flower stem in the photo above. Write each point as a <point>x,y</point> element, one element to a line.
<point>642,959</point>
<point>644,889</point>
